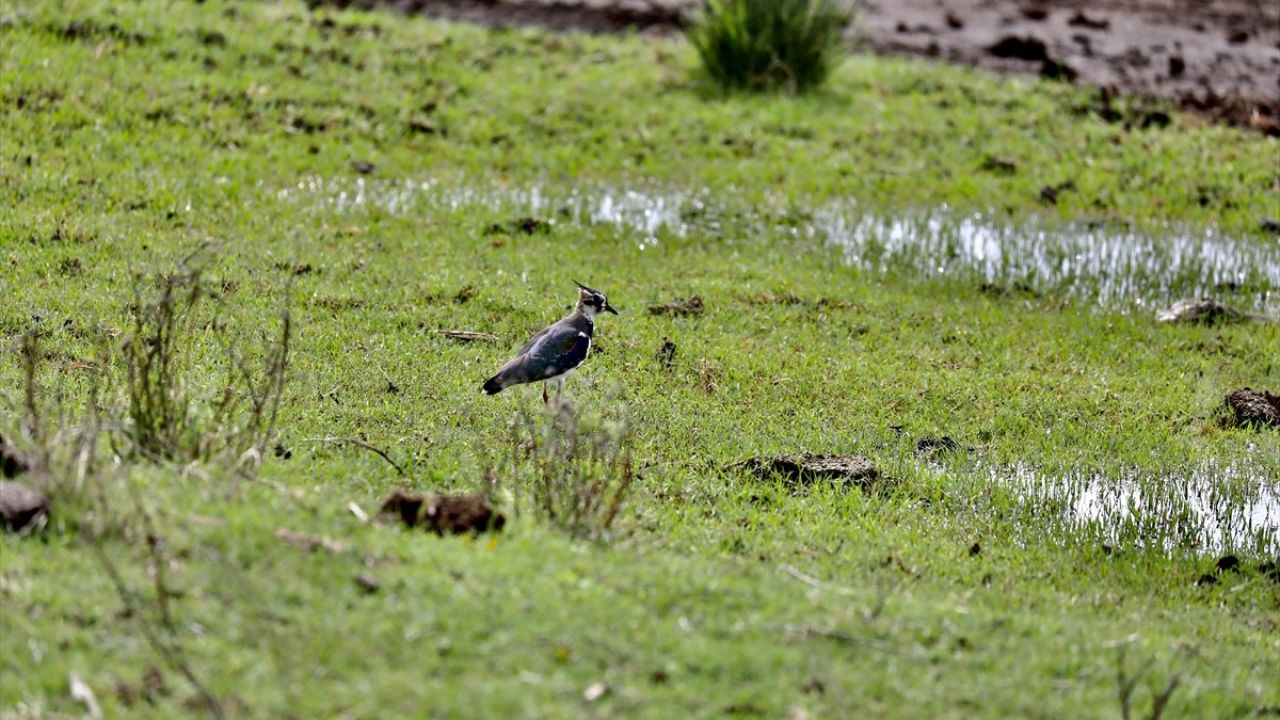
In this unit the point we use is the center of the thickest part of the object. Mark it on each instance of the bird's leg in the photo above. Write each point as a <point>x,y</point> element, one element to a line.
<point>545,397</point>
<point>559,388</point>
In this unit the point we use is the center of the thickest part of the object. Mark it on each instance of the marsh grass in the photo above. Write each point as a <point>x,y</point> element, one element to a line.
<point>788,45</point>
<point>171,413</point>
<point>575,469</point>
<point>795,350</point>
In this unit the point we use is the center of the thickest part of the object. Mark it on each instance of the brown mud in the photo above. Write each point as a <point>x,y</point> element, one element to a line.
<point>1219,60</point>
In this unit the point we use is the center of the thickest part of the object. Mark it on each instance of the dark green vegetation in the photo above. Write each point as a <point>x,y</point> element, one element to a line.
<point>299,145</point>
<point>769,44</point>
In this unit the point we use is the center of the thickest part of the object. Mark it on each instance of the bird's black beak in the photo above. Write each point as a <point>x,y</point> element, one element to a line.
<point>609,308</point>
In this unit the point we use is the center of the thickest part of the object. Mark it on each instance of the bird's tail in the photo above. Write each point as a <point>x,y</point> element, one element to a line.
<point>493,385</point>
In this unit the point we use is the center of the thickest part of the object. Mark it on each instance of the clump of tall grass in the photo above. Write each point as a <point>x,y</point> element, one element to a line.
<point>174,411</point>
<point>575,470</point>
<point>789,45</point>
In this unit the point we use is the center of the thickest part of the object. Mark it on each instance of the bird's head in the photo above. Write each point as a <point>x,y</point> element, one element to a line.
<point>592,302</point>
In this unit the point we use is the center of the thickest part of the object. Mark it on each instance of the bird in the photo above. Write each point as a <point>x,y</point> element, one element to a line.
<point>556,350</point>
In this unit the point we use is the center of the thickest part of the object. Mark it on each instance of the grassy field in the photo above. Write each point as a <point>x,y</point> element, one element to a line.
<point>132,134</point>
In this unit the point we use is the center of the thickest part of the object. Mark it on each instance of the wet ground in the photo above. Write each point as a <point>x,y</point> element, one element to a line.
<point>1209,507</point>
<point>1104,264</point>
<point>1218,58</point>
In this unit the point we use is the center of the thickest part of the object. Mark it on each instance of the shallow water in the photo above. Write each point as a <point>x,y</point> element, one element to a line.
<point>1111,266</point>
<point>1211,508</point>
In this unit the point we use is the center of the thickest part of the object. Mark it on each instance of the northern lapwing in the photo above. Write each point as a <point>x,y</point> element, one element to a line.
<point>555,351</point>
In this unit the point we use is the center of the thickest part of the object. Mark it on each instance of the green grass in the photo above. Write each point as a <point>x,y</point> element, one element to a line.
<point>121,150</point>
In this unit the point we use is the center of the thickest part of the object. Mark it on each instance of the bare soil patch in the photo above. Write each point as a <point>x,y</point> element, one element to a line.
<point>1219,59</point>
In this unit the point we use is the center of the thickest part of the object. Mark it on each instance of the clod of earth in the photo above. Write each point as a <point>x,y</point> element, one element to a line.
<point>1202,310</point>
<point>1254,408</point>
<point>21,507</point>
<point>691,305</point>
<point>805,468</point>
<point>1270,569</point>
<point>454,514</point>
<point>12,462</point>
<point>459,514</point>
<point>999,166</point>
<point>933,446</point>
<point>1228,562</point>
<point>364,167</point>
<point>1019,48</point>
<point>667,353</point>
<point>1050,193</point>
<point>403,505</point>
<point>521,225</point>
<point>1270,227</point>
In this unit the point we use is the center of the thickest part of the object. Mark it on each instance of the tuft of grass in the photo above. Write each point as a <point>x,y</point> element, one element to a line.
<point>789,45</point>
<point>575,468</point>
<point>169,417</point>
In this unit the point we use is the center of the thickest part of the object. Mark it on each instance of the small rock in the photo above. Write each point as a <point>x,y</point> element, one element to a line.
<point>1202,310</point>
<point>1254,407</point>
<point>804,468</point>
<point>21,507</point>
<point>691,305</point>
<point>364,167</point>
<point>595,691</point>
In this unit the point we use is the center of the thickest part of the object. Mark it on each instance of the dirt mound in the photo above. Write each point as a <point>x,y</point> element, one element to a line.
<point>691,305</point>
<point>1253,408</point>
<point>21,507</point>
<point>452,514</point>
<point>805,468</point>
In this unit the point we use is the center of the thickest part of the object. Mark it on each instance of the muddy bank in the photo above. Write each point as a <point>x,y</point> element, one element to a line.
<point>1220,60</point>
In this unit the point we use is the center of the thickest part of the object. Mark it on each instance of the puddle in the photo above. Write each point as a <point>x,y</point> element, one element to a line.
<point>1214,508</point>
<point>1112,266</point>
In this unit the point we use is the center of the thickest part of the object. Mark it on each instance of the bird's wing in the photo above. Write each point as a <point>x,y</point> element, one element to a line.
<point>562,348</point>
<point>534,340</point>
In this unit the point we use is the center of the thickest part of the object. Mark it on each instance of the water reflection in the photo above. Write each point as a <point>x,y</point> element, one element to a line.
<point>1215,508</point>
<point>1113,266</point>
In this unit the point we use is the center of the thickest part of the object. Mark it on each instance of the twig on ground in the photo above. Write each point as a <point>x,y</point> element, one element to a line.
<point>360,443</point>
